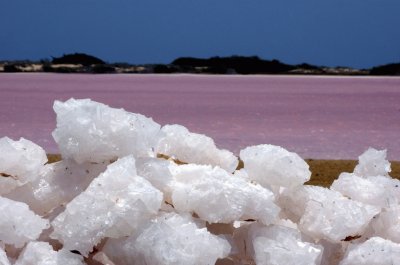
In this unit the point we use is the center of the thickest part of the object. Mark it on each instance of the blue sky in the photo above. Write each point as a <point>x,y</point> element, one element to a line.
<point>357,33</point>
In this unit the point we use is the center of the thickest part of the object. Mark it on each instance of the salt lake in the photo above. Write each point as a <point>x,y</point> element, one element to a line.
<point>317,117</point>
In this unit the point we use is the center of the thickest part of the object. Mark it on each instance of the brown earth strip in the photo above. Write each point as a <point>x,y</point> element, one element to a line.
<point>324,172</point>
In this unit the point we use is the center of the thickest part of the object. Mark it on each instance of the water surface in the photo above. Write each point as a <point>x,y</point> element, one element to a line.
<point>317,117</point>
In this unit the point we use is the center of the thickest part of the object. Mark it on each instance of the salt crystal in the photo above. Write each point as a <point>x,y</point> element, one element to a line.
<point>115,204</point>
<point>372,163</point>
<point>326,214</point>
<point>157,172</point>
<point>18,224</point>
<point>20,162</point>
<point>190,147</point>
<point>274,165</point>
<point>374,251</point>
<point>387,224</point>
<point>3,258</point>
<point>219,197</point>
<point>282,245</point>
<point>41,253</point>
<point>170,239</point>
<point>88,131</point>
<point>371,190</point>
<point>58,183</point>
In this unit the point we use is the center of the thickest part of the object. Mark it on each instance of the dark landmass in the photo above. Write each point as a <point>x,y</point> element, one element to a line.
<point>83,63</point>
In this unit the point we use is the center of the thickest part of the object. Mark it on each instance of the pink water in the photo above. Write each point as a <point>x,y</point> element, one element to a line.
<point>317,117</point>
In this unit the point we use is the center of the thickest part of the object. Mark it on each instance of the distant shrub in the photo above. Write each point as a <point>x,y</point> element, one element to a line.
<point>11,68</point>
<point>77,58</point>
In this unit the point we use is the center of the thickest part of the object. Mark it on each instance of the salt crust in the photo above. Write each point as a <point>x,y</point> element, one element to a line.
<point>273,165</point>
<point>20,162</point>
<point>41,253</point>
<point>18,224</point>
<point>169,239</point>
<point>88,131</point>
<point>374,251</point>
<point>195,148</point>
<point>228,198</point>
<point>115,204</point>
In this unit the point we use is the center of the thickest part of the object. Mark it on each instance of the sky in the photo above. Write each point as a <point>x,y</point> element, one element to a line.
<point>355,33</point>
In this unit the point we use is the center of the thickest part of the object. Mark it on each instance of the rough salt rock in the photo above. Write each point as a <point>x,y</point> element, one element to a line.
<point>115,204</point>
<point>387,224</point>
<point>378,190</point>
<point>3,258</point>
<point>375,251</point>
<point>219,197</point>
<point>274,165</point>
<point>18,224</point>
<point>88,131</point>
<point>157,172</point>
<point>58,183</point>
<point>190,147</point>
<point>372,163</point>
<point>20,162</point>
<point>282,245</point>
<point>326,214</point>
<point>41,253</point>
<point>169,239</point>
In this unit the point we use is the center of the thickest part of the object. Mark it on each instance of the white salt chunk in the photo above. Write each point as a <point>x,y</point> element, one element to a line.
<point>219,197</point>
<point>58,183</point>
<point>387,224</point>
<point>18,224</point>
<point>88,131</point>
<point>20,162</point>
<point>156,171</point>
<point>282,245</point>
<point>115,204</point>
<point>3,258</point>
<point>374,251</point>
<point>41,253</point>
<point>190,147</point>
<point>379,191</point>
<point>327,214</point>
<point>274,165</point>
<point>372,163</point>
<point>170,239</point>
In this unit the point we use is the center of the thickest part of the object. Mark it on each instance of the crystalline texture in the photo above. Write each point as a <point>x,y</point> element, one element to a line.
<point>282,245</point>
<point>57,184</point>
<point>379,191</point>
<point>372,163</point>
<point>20,162</point>
<point>387,224</point>
<point>273,165</point>
<point>41,253</point>
<point>114,205</point>
<point>219,197</point>
<point>326,214</point>
<point>190,147</point>
<point>375,251</point>
<point>88,131</point>
<point>18,224</point>
<point>3,258</point>
<point>170,239</point>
